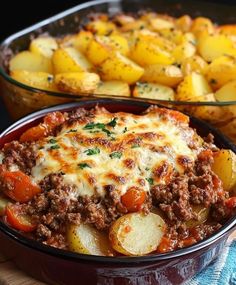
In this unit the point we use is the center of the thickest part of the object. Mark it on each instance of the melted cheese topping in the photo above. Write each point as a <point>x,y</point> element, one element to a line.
<point>119,149</point>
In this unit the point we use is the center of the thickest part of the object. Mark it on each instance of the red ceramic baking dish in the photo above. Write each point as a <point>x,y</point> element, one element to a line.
<point>55,266</point>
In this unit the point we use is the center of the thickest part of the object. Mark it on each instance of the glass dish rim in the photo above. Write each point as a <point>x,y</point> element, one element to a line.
<point>61,15</point>
<point>32,244</point>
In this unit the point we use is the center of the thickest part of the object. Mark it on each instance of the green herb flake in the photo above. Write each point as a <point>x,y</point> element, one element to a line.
<point>92,151</point>
<point>83,165</point>
<point>115,154</point>
<point>113,122</point>
<point>147,168</point>
<point>72,131</point>
<point>135,146</point>
<point>150,181</point>
<point>91,126</point>
<point>55,146</point>
<point>125,130</point>
<point>52,141</point>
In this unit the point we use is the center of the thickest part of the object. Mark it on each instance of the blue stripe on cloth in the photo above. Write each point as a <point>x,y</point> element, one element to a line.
<point>220,272</point>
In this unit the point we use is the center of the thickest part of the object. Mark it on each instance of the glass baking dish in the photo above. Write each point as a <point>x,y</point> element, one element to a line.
<point>21,99</point>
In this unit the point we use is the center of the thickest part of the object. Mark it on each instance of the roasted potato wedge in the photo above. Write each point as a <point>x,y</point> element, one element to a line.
<point>40,80</point>
<point>192,64</point>
<point>88,240</point>
<point>226,92</point>
<point>202,25</point>
<point>169,75</point>
<point>44,46</point>
<point>184,23</point>
<point>29,61</point>
<point>225,167</point>
<point>100,27</point>
<point>158,24</point>
<point>186,49</point>
<point>77,82</point>
<point>146,52</point>
<point>119,67</point>
<point>221,71</point>
<point>201,213</point>
<point>79,41</point>
<point>136,233</point>
<point>214,46</point>
<point>193,85</point>
<point>112,88</point>
<point>153,91</point>
<point>69,60</point>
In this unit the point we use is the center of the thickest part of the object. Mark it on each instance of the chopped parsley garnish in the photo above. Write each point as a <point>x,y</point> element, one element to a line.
<point>52,141</point>
<point>115,154</point>
<point>100,126</point>
<point>107,132</point>
<point>83,165</point>
<point>72,131</point>
<point>113,122</point>
<point>150,181</point>
<point>135,146</point>
<point>147,168</point>
<point>55,146</point>
<point>92,151</point>
<point>125,130</point>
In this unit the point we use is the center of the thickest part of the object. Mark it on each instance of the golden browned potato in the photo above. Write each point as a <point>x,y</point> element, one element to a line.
<point>41,80</point>
<point>136,233</point>
<point>44,46</point>
<point>119,67</point>
<point>212,46</point>
<point>174,35</point>
<point>221,71</point>
<point>29,61</point>
<point>202,25</point>
<point>88,240</point>
<point>169,75</point>
<point>193,86</point>
<point>69,60</point>
<point>186,49</point>
<point>100,27</point>
<point>146,53</point>
<point>133,26</point>
<point>79,41</point>
<point>112,88</point>
<point>226,92</point>
<point>228,30</point>
<point>160,24</point>
<point>77,82</point>
<point>202,214</point>
<point>184,23</point>
<point>153,91</point>
<point>194,63</point>
<point>225,167</point>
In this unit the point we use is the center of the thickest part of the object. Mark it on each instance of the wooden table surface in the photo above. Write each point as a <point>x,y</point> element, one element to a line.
<point>10,275</point>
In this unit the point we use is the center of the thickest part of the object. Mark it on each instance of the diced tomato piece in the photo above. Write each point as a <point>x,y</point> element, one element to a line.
<point>18,186</point>
<point>34,133</point>
<point>166,245</point>
<point>133,199</point>
<point>231,202</point>
<point>17,218</point>
<point>54,119</point>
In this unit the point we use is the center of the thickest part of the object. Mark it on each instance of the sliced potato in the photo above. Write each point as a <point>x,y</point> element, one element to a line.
<point>202,214</point>
<point>79,41</point>
<point>225,167</point>
<point>44,46</point>
<point>160,24</point>
<point>173,35</point>
<point>184,23</point>
<point>153,91</point>
<point>3,204</point>
<point>213,46</point>
<point>228,30</point>
<point>221,71</point>
<point>88,240</point>
<point>41,80</point>
<point>169,75</point>
<point>27,60</point>
<point>69,60</point>
<point>133,26</point>
<point>118,88</point>
<point>77,82</point>
<point>136,233</point>
<point>146,52</point>
<point>194,63</point>
<point>227,92</point>
<point>193,85</point>
<point>186,49</point>
<point>119,67</point>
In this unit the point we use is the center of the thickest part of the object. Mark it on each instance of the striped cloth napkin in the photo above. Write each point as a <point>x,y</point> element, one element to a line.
<point>222,271</point>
